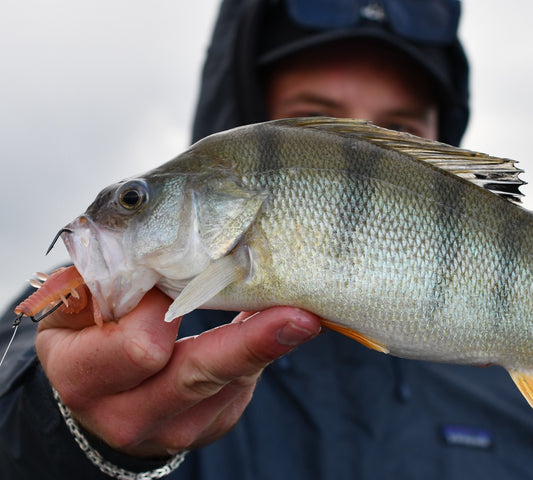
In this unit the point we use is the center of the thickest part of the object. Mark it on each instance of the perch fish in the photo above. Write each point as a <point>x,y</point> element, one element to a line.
<point>390,238</point>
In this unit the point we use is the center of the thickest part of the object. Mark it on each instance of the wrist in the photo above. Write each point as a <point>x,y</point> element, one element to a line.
<point>106,466</point>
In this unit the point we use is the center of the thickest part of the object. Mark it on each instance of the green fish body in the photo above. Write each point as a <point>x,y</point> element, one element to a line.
<point>388,237</point>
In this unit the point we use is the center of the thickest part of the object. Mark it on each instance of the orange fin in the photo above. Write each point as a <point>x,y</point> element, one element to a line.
<point>524,382</point>
<point>367,342</point>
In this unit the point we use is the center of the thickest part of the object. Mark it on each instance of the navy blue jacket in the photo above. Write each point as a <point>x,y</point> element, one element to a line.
<point>331,409</point>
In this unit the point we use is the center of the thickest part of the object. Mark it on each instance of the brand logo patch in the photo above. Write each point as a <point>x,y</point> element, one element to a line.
<point>459,435</point>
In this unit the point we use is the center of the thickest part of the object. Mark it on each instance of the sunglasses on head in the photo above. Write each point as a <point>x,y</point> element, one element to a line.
<point>427,21</point>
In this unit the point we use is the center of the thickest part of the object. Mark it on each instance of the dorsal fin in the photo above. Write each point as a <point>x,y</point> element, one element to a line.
<point>499,175</point>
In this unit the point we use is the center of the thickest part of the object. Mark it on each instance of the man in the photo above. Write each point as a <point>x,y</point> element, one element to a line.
<point>329,409</point>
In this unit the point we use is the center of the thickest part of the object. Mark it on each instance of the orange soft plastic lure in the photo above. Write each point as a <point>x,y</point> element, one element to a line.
<point>64,288</point>
<point>61,286</point>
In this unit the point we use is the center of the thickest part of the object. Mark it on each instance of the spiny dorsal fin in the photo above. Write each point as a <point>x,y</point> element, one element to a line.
<point>499,175</point>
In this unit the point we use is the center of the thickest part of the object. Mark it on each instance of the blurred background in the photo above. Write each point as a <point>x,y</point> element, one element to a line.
<point>92,92</point>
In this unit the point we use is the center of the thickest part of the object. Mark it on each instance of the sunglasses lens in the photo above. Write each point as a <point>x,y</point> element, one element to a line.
<point>324,13</point>
<point>434,21</point>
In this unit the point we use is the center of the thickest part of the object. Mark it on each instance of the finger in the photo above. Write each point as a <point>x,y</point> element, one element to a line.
<point>192,428</point>
<point>202,366</point>
<point>208,419</point>
<point>98,361</point>
<point>241,349</point>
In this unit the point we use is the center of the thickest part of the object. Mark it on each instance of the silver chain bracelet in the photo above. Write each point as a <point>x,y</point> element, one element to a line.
<point>105,466</point>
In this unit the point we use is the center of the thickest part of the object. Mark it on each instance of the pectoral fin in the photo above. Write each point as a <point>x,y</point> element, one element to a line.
<point>364,340</point>
<point>202,288</point>
<point>524,382</point>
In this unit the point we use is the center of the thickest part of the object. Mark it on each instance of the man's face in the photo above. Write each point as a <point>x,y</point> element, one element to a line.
<point>354,80</point>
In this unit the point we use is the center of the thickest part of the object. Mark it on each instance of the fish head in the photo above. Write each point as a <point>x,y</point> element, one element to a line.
<point>135,233</point>
<point>163,229</point>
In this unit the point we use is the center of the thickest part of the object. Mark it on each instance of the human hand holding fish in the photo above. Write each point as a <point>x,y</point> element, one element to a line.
<point>129,383</point>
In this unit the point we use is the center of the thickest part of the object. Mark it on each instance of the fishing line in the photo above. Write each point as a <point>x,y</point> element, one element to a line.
<point>16,327</point>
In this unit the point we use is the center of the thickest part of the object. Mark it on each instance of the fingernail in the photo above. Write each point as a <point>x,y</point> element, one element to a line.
<point>292,334</point>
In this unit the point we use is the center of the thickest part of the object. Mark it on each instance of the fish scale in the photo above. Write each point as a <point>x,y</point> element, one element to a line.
<point>389,238</point>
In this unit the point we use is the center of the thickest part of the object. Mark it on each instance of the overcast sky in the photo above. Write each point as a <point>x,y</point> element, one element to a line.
<point>95,91</point>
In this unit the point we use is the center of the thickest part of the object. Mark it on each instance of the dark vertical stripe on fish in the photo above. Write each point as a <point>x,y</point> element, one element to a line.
<point>357,196</point>
<point>449,199</point>
<point>269,143</point>
<point>509,243</point>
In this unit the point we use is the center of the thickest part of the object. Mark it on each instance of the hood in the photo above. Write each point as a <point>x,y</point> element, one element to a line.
<point>230,92</point>
<point>217,107</point>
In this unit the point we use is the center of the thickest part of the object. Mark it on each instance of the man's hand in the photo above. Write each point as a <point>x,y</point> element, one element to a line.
<point>132,385</point>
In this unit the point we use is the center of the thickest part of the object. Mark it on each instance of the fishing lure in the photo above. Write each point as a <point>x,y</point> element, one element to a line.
<point>63,288</point>
<point>60,288</point>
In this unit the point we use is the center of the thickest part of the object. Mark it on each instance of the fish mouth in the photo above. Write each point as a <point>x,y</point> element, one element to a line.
<point>99,256</point>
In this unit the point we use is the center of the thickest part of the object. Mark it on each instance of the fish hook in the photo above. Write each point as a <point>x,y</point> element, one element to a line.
<point>44,315</point>
<point>58,234</point>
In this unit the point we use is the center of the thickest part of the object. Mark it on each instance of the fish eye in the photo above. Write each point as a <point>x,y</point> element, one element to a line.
<point>133,195</point>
